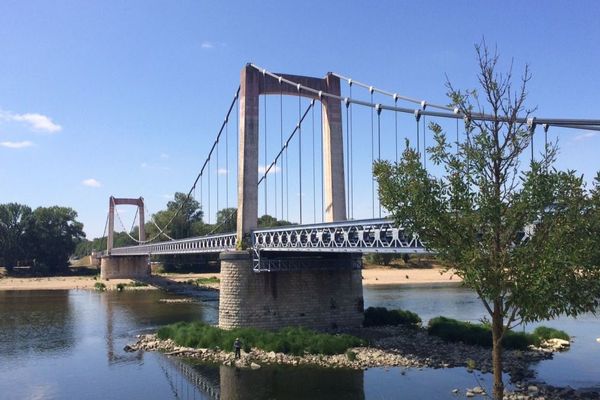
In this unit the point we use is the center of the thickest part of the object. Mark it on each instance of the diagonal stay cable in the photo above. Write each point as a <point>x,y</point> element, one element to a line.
<point>287,142</point>
<point>206,161</point>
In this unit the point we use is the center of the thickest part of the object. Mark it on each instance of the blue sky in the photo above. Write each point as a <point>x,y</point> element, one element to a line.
<point>125,98</point>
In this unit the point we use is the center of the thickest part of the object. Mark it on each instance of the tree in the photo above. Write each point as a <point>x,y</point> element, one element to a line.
<point>183,218</point>
<point>226,220</point>
<point>13,222</point>
<point>526,240</point>
<point>268,221</point>
<point>51,236</point>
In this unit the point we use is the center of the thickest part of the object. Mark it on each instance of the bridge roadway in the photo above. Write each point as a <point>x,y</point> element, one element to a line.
<point>360,236</point>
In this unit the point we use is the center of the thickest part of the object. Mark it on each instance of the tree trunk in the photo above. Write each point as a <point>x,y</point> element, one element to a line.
<point>497,330</point>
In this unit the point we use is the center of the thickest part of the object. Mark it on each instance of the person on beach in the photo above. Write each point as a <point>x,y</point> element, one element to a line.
<point>237,346</point>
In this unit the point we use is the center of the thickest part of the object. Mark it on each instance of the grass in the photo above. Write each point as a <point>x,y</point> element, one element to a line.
<point>204,281</point>
<point>481,334</point>
<point>379,316</point>
<point>291,340</point>
<point>545,333</point>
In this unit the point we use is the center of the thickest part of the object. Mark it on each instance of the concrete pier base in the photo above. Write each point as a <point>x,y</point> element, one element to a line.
<point>125,267</point>
<point>318,298</point>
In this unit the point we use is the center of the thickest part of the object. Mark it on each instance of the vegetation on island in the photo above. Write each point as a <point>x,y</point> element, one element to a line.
<point>381,316</point>
<point>524,235</point>
<point>291,340</point>
<point>481,334</point>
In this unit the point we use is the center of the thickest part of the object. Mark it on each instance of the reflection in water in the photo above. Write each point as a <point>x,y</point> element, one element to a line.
<point>116,357</point>
<point>192,380</point>
<point>38,322</point>
<point>278,382</point>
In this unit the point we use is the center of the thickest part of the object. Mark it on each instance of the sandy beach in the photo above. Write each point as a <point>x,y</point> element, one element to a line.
<point>371,276</point>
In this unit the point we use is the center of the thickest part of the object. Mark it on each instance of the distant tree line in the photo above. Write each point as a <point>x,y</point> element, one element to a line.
<point>43,238</point>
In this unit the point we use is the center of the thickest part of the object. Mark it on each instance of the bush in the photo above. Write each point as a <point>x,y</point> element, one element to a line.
<point>350,355</point>
<point>206,281</point>
<point>292,340</point>
<point>379,316</point>
<point>380,258</point>
<point>478,334</point>
<point>545,333</point>
<point>120,287</point>
<point>100,286</point>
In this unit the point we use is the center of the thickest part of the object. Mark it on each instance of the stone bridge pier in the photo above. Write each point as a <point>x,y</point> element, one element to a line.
<point>324,292</point>
<point>124,267</point>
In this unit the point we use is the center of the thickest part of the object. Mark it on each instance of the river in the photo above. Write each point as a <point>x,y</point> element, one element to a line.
<point>69,344</point>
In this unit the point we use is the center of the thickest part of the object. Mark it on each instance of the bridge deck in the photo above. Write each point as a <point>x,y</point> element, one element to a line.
<point>361,236</point>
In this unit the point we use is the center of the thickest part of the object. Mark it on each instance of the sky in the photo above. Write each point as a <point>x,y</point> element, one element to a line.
<point>124,98</point>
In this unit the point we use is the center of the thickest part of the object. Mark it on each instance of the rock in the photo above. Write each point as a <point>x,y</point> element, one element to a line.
<point>598,340</point>
<point>469,394</point>
<point>478,390</point>
<point>254,366</point>
<point>128,349</point>
<point>557,344</point>
<point>532,389</point>
<point>455,391</point>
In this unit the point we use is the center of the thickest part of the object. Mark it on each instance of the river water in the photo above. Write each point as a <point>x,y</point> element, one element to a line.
<point>69,345</point>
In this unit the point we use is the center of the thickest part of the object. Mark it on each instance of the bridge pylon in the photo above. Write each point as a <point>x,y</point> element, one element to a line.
<point>255,83</point>
<point>128,267</point>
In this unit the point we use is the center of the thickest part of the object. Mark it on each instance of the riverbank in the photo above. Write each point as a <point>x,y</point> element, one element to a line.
<point>371,276</point>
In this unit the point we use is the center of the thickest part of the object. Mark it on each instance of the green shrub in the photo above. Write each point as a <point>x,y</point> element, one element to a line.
<point>545,333</point>
<point>379,316</point>
<point>478,334</point>
<point>206,281</point>
<point>120,287</point>
<point>350,355</point>
<point>100,286</point>
<point>291,340</point>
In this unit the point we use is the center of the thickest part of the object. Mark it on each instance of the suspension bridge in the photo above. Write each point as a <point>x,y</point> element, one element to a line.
<point>266,272</point>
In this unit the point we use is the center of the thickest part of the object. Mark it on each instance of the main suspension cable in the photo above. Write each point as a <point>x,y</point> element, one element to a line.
<point>457,113</point>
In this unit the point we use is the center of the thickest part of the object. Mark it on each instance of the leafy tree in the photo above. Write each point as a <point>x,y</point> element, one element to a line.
<point>51,235</point>
<point>226,220</point>
<point>268,221</point>
<point>186,216</point>
<point>526,240</point>
<point>13,222</point>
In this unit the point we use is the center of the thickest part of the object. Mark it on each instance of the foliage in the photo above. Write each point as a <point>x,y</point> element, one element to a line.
<point>226,220</point>
<point>101,287</point>
<point>120,287</point>
<point>186,216</point>
<point>379,316</point>
<point>350,355</point>
<point>204,281</point>
<point>380,258</point>
<point>478,334</point>
<point>47,236</point>
<point>291,340</point>
<point>268,221</point>
<point>13,224</point>
<point>545,333</point>
<point>525,240</point>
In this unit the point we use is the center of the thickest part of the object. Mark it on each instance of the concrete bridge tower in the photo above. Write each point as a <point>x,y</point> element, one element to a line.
<point>316,290</point>
<point>130,267</point>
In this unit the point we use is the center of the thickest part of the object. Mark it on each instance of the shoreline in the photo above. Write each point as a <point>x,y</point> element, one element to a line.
<point>372,276</point>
